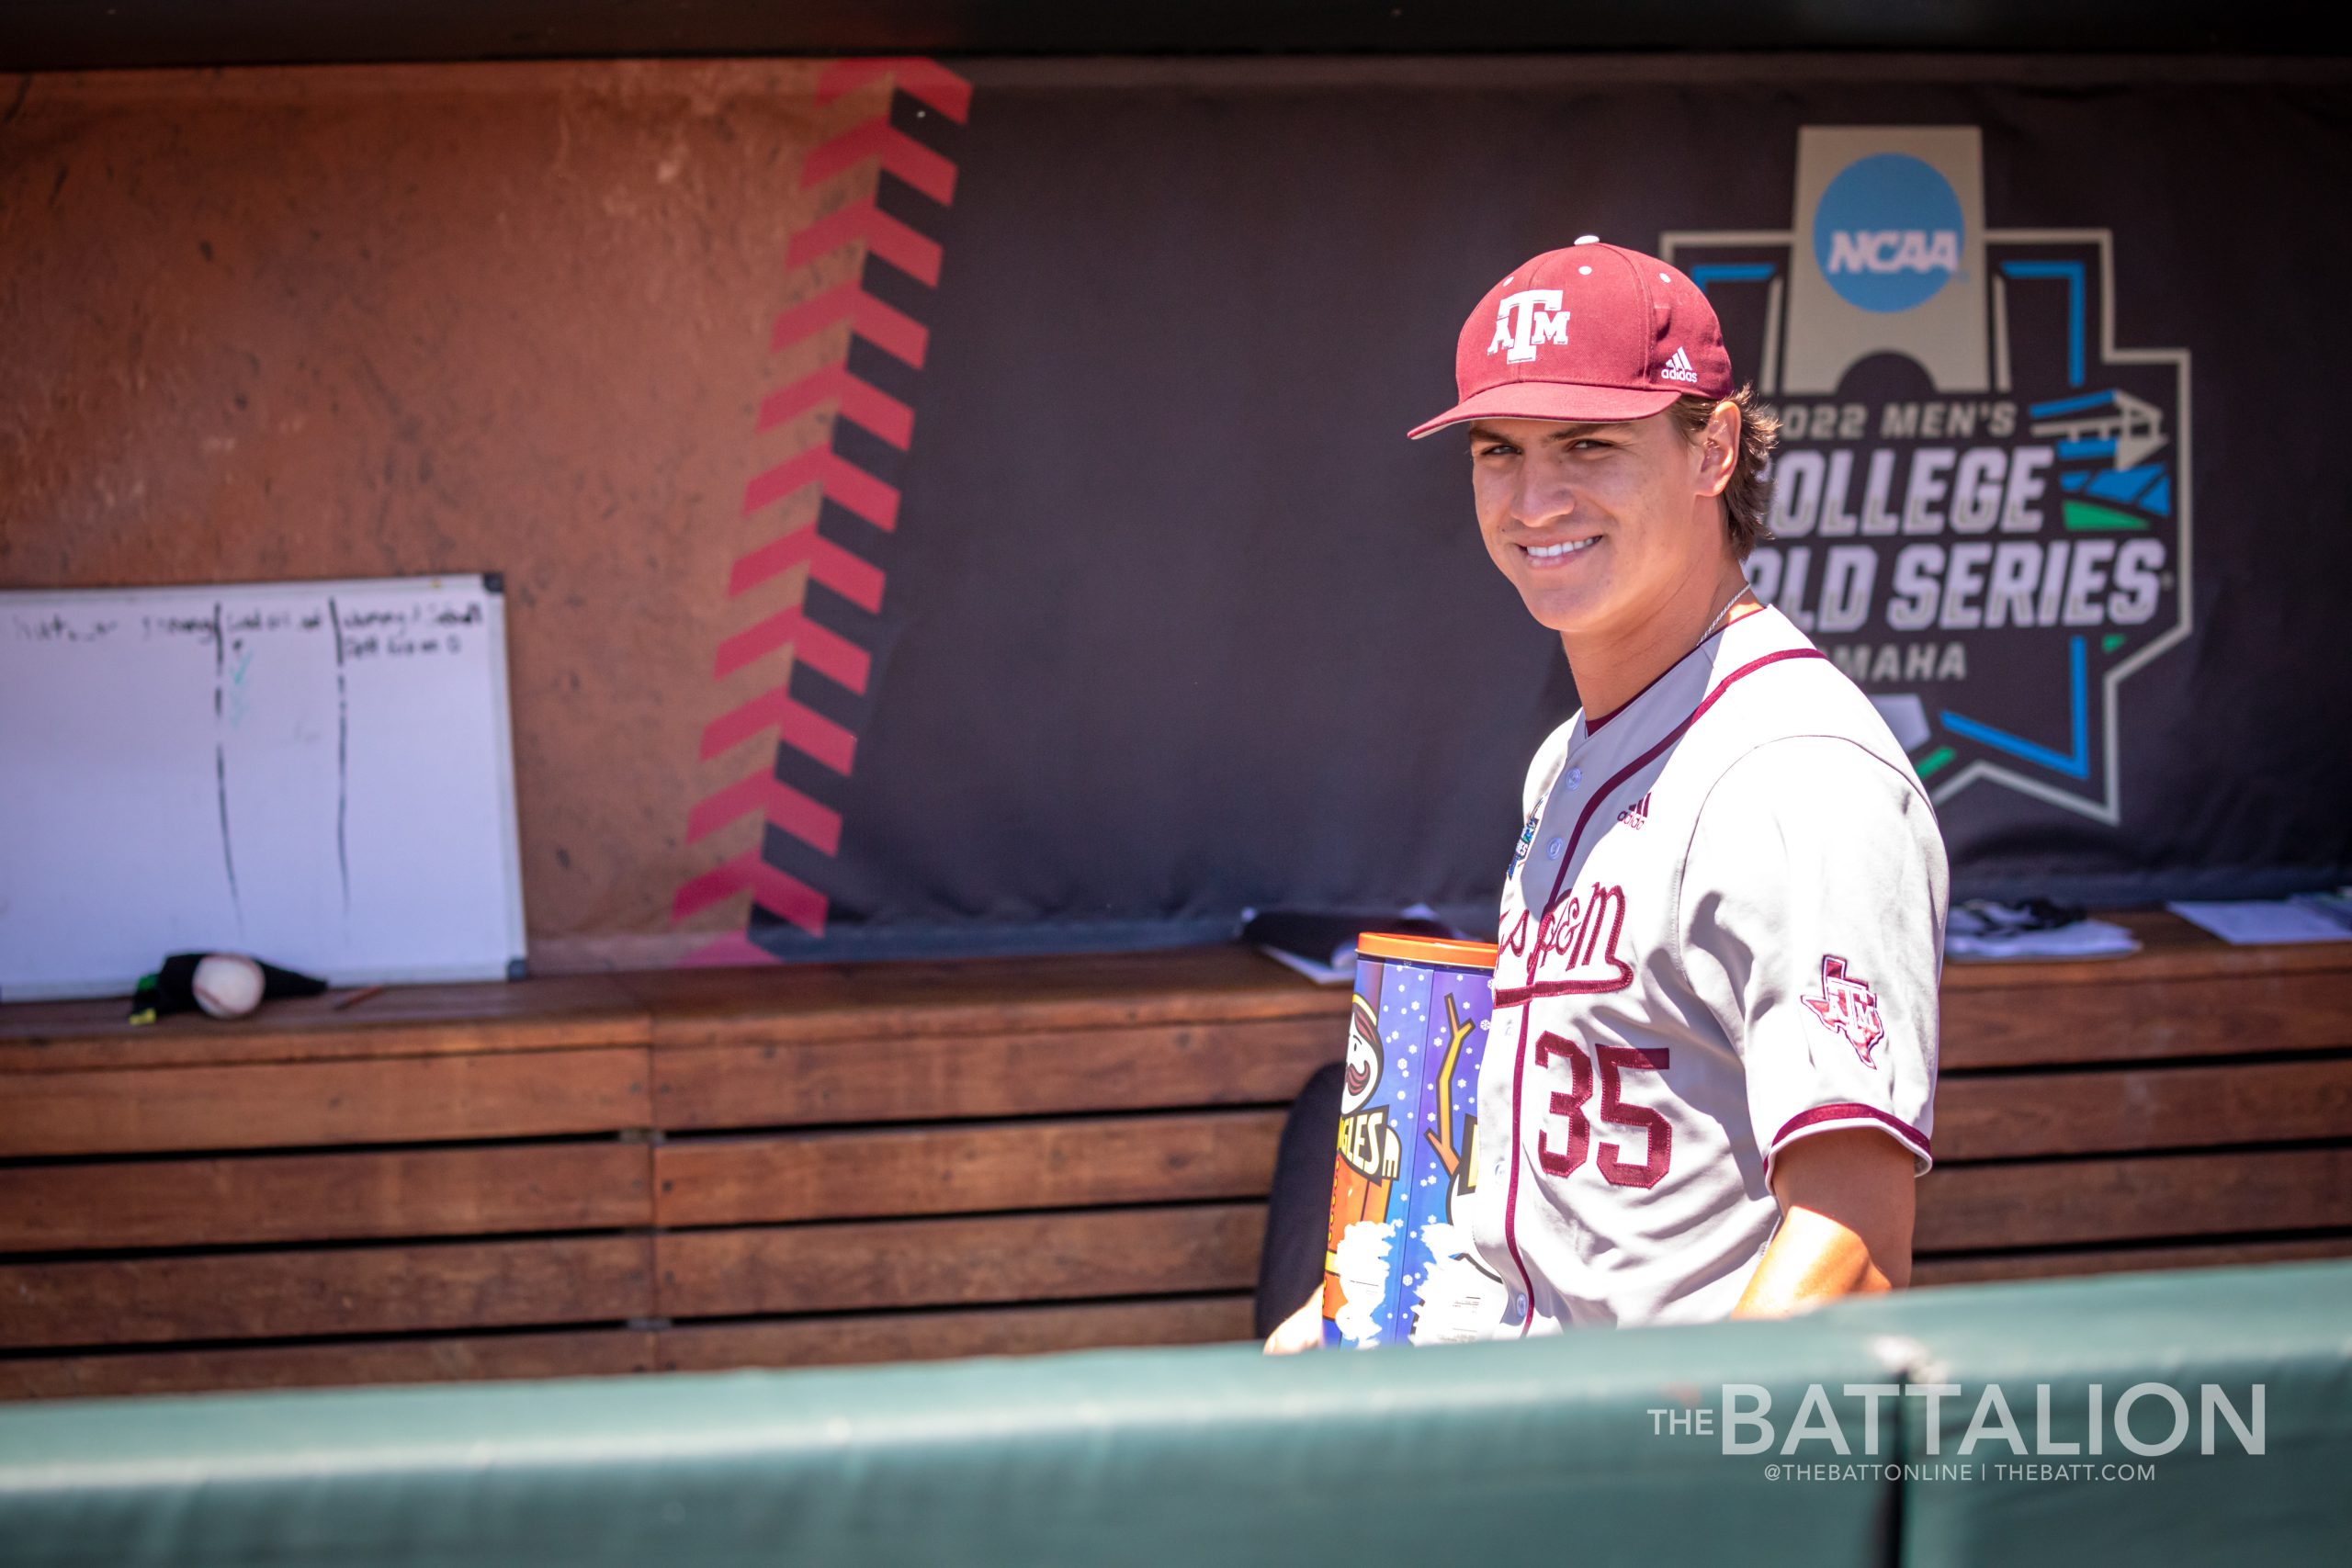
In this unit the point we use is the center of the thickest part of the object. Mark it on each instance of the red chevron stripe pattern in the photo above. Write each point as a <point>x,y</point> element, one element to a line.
<point>878,410</point>
<point>868,263</point>
<point>827,563</point>
<point>883,236</point>
<point>896,151</point>
<point>843,481</point>
<point>888,328</point>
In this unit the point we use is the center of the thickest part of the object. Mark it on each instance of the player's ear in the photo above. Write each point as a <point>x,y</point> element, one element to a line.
<point>1718,450</point>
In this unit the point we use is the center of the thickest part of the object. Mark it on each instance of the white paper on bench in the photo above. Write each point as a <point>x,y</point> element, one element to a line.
<point>2254,921</point>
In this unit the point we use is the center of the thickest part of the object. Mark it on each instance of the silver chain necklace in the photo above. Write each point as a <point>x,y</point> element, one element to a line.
<point>1722,615</point>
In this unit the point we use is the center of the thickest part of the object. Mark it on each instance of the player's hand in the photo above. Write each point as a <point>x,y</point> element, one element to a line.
<point>1302,1330</point>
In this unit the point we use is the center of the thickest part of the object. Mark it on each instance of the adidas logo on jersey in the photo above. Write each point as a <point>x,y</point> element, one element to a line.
<point>1678,368</point>
<point>1636,815</point>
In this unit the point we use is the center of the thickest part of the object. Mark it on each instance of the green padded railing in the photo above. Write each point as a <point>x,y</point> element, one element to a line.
<point>1581,1450</point>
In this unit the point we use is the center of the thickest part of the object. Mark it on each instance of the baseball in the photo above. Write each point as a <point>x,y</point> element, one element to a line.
<point>227,984</point>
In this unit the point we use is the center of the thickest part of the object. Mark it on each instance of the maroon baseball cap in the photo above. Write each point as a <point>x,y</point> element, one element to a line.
<point>1592,332</point>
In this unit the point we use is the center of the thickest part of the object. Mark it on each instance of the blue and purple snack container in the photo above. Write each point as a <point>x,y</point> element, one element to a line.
<point>1394,1268</point>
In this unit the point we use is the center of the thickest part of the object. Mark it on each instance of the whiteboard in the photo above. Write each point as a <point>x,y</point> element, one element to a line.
<point>319,774</point>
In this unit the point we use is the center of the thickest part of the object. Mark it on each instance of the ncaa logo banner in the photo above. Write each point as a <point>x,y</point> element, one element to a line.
<point>1982,501</point>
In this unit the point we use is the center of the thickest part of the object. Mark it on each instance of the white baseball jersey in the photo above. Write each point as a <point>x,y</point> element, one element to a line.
<point>1722,932</point>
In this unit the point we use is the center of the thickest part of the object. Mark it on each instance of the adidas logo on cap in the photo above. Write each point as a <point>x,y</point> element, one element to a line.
<point>1678,368</point>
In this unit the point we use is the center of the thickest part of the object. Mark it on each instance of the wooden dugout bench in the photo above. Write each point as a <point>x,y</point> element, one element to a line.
<point>710,1170</point>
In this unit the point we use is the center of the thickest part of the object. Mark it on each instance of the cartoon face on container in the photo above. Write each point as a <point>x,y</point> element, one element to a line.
<point>1362,1068</point>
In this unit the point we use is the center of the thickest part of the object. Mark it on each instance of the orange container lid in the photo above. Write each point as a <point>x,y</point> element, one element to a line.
<point>1441,950</point>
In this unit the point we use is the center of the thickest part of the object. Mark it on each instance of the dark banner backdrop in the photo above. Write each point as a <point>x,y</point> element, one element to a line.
<point>1177,621</point>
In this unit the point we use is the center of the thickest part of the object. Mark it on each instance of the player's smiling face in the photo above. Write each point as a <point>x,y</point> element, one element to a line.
<point>1597,526</point>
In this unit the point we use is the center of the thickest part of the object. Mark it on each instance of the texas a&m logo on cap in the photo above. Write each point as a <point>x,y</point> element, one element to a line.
<point>1530,317</point>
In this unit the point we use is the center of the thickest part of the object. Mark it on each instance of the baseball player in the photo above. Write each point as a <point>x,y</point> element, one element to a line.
<point>1711,1072</point>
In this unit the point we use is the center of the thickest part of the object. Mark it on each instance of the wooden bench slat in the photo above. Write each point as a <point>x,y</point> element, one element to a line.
<point>2132,1020</point>
<point>473,1190</point>
<point>966,1169</point>
<point>560,1013</point>
<point>1971,1208</point>
<point>939,1333</point>
<point>1003,1257</point>
<point>450,1358</point>
<point>848,1003</point>
<point>913,1078</point>
<point>398,1100</point>
<point>1997,1117</point>
<point>1976,1268</point>
<point>291,1294</point>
